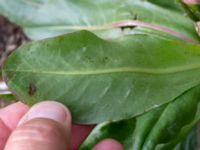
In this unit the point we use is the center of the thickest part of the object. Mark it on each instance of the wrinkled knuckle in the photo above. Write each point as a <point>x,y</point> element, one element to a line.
<point>36,132</point>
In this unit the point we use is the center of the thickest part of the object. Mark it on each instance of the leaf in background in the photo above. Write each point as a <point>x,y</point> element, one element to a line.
<point>194,7</point>
<point>176,115</point>
<point>174,5</point>
<point>103,80</point>
<point>190,142</point>
<point>39,20</point>
<point>160,129</point>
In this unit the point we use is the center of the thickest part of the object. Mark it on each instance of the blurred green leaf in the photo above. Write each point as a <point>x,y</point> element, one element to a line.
<point>46,18</point>
<point>160,129</point>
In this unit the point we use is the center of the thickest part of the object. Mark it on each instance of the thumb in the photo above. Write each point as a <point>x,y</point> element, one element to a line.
<point>46,126</point>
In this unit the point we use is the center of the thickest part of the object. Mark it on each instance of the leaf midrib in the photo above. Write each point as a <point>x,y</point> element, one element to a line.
<point>124,23</point>
<point>114,70</point>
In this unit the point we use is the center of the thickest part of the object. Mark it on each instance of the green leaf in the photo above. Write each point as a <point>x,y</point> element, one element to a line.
<point>174,5</point>
<point>101,80</point>
<point>190,142</point>
<point>7,97</point>
<point>193,6</point>
<point>160,129</point>
<point>46,18</point>
<point>176,115</point>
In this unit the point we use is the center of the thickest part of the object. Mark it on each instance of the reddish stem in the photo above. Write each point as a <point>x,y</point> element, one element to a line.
<point>156,27</point>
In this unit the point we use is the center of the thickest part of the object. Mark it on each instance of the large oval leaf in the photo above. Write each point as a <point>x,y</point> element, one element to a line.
<point>104,80</point>
<point>39,19</point>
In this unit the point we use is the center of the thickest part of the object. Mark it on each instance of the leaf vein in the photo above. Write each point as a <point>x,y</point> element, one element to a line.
<point>114,70</point>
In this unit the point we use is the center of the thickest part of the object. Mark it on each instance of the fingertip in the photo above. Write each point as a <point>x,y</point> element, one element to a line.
<point>46,126</point>
<point>18,106</point>
<point>38,134</point>
<point>11,114</point>
<point>5,132</point>
<point>108,144</point>
<point>49,110</point>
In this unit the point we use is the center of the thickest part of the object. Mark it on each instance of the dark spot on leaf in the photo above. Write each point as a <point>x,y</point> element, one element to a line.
<point>32,89</point>
<point>104,60</point>
<point>122,28</point>
<point>89,59</point>
<point>127,27</point>
<point>135,17</point>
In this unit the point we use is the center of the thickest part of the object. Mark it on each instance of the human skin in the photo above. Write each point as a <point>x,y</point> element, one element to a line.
<point>46,125</point>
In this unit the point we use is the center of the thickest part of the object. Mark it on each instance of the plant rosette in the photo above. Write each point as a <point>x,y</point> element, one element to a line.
<point>132,67</point>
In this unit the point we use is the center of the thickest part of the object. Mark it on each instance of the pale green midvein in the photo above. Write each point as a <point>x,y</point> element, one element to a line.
<point>115,70</point>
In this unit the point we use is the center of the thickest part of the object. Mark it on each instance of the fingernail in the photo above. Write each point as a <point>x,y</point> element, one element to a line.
<point>47,110</point>
<point>108,144</point>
